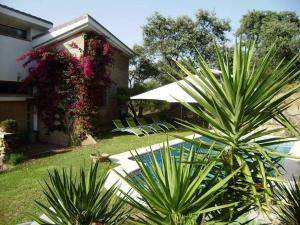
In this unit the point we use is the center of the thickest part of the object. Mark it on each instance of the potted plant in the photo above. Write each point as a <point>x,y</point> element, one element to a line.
<point>98,156</point>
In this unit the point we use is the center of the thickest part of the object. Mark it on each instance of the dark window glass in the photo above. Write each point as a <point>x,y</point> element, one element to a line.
<point>14,32</point>
<point>7,87</point>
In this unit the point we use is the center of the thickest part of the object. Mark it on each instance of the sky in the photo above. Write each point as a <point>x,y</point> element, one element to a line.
<point>125,18</point>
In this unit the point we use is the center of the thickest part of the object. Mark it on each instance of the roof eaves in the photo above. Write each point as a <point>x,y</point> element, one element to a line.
<point>111,36</point>
<point>26,14</point>
<point>77,24</point>
<point>61,26</point>
<point>60,32</point>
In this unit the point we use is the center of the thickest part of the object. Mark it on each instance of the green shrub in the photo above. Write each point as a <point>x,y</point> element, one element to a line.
<point>82,199</point>
<point>16,158</point>
<point>9,126</point>
<point>178,192</point>
<point>288,195</point>
<point>236,106</point>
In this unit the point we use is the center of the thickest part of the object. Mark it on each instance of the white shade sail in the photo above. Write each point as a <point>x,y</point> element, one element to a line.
<point>170,92</point>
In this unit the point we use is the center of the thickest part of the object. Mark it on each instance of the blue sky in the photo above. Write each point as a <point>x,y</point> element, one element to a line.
<point>124,18</point>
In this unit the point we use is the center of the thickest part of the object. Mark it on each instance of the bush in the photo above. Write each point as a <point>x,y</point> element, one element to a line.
<point>236,106</point>
<point>288,195</point>
<point>16,158</point>
<point>178,192</point>
<point>9,126</point>
<point>82,201</point>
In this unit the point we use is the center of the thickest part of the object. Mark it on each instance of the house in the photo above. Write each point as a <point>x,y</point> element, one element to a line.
<point>21,32</point>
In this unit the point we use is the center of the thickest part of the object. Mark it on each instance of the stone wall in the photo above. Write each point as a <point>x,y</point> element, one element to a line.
<point>2,145</point>
<point>2,152</point>
<point>292,114</point>
<point>7,142</point>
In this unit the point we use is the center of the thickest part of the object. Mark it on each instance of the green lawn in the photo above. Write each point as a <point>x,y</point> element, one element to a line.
<point>19,187</point>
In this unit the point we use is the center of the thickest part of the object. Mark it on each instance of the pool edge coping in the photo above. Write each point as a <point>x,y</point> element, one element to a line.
<point>127,165</point>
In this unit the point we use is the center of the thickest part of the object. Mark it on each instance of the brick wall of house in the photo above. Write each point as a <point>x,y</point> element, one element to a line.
<point>58,137</point>
<point>119,76</point>
<point>78,39</point>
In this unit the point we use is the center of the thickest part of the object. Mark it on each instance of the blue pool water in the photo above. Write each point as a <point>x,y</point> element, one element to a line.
<point>282,148</point>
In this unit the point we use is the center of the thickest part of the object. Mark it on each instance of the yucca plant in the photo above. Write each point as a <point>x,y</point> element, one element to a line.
<point>81,200</point>
<point>176,192</point>
<point>288,195</point>
<point>235,106</point>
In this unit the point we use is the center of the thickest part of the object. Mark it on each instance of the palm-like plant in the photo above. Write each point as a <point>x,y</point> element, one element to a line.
<point>289,196</point>
<point>81,201</point>
<point>235,106</point>
<point>175,191</point>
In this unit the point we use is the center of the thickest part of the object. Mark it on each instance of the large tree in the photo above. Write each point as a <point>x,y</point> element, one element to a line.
<point>141,68</point>
<point>142,77</point>
<point>166,39</point>
<point>268,28</point>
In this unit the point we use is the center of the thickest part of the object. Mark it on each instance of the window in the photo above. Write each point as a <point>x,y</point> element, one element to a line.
<point>13,32</point>
<point>10,87</point>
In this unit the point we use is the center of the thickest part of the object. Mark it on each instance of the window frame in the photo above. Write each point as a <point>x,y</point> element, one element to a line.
<point>22,37</point>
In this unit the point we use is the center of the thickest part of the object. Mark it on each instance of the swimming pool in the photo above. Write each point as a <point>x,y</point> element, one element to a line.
<point>128,165</point>
<point>146,157</point>
<point>282,148</point>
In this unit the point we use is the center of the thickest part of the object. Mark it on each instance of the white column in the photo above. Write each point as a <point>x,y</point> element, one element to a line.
<point>35,114</point>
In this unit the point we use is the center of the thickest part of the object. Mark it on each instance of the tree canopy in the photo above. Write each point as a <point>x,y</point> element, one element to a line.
<point>141,67</point>
<point>166,39</point>
<point>268,28</point>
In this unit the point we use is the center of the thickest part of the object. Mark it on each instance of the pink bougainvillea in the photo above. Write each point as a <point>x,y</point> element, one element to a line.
<point>69,88</point>
<point>87,67</point>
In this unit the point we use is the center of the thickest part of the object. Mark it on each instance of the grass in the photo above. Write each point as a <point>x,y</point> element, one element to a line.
<point>20,186</point>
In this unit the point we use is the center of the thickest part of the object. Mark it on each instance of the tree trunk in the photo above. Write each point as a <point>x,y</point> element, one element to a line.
<point>131,107</point>
<point>140,113</point>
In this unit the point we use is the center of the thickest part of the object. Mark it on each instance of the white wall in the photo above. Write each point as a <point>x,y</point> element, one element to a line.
<point>34,31</point>
<point>10,49</point>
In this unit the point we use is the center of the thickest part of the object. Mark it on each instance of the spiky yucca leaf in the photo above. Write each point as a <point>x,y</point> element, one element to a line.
<point>288,195</point>
<point>81,200</point>
<point>235,106</point>
<point>176,191</point>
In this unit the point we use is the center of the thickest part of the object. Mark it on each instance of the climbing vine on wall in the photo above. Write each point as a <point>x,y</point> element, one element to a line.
<point>69,88</point>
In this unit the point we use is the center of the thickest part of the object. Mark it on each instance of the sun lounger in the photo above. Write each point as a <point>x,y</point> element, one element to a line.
<point>153,126</point>
<point>131,123</point>
<point>166,125</point>
<point>121,128</point>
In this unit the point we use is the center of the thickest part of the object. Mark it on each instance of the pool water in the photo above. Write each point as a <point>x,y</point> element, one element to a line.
<point>146,158</point>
